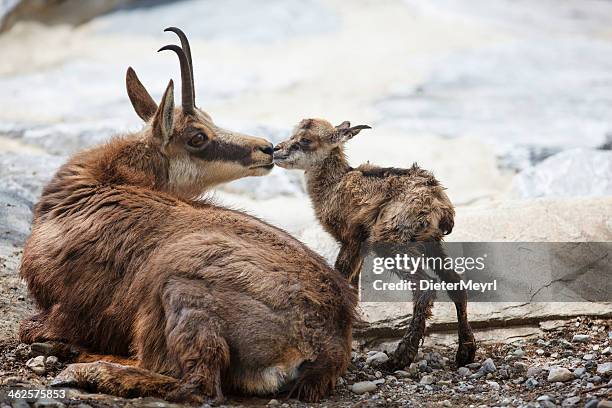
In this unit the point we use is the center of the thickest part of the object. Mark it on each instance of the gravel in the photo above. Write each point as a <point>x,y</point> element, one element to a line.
<point>502,381</point>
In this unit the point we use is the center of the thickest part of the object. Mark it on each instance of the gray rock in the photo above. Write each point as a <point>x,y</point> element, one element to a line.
<point>37,364</point>
<point>606,350</point>
<point>473,366</point>
<point>488,366</point>
<point>559,374</point>
<point>427,379</point>
<point>363,387</point>
<point>402,374</point>
<point>377,359</point>
<point>604,368</point>
<point>570,401</point>
<point>581,338</point>
<point>592,403</point>
<point>579,372</point>
<point>273,402</point>
<point>531,383</point>
<point>605,404</point>
<point>493,385</point>
<point>588,357</point>
<point>463,372</point>
<point>51,362</point>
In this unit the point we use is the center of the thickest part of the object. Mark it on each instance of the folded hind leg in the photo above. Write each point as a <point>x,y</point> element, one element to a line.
<point>193,338</point>
<point>116,379</point>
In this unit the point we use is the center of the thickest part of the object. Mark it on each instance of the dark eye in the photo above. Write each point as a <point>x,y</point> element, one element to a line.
<point>305,142</point>
<point>197,140</point>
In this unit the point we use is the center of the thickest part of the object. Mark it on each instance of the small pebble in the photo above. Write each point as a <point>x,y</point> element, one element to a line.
<point>559,374</point>
<point>579,372</point>
<point>463,372</point>
<point>604,368</point>
<point>531,383</point>
<point>37,364</point>
<point>581,338</point>
<point>363,387</point>
<point>488,366</point>
<point>427,379</point>
<point>377,359</point>
<point>570,401</point>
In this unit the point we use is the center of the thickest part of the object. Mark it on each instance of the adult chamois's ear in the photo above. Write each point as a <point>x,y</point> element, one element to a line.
<point>142,102</point>
<point>345,132</point>
<point>163,121</point>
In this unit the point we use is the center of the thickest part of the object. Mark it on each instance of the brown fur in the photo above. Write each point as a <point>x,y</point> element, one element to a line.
<point>122,261</point>
<point>374,205</point>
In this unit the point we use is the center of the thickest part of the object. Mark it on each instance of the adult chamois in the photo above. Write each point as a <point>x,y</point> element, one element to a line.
<point>205,300</point>
<point>376,206</point>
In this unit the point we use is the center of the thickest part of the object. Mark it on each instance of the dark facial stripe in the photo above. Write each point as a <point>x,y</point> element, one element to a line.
<point>220,151</point>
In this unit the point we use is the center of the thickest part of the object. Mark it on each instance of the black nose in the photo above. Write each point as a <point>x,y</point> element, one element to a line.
<point>267,149</point>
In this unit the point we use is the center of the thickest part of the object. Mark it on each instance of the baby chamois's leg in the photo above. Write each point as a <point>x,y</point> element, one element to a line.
<point>349,261</point>
<point>409,344</point>
<point>116,379</point>
<point>193,338</point>
<point>466,352</point>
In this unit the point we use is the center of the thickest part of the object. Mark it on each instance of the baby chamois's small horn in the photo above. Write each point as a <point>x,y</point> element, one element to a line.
<point>186,81</point>
<point>360,127</point>
<point>187,50</point>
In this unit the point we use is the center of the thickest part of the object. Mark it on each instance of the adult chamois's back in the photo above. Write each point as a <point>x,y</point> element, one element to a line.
<point>204,299</point>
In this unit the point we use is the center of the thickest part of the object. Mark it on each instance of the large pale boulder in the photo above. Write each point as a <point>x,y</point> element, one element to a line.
<point>572,173</point>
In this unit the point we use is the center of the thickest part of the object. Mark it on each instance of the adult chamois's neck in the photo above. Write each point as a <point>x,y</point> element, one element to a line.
<point>322,177</point>
<point>128,161</point>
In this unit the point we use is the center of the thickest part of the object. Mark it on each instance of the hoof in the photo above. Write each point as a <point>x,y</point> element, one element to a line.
<point>465,354</point>
<point>64,380</point>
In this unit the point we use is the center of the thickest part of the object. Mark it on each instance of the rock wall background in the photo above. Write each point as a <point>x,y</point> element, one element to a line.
<point>508,102</point>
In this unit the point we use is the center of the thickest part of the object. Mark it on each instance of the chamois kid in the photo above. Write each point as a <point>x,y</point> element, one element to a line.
<point>375,206</point>
<point>201,300</point>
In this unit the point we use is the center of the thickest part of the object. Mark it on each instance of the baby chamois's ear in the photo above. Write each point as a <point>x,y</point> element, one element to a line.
<point>142,102</point>
<point>344,132</point>
<point>163,122</point>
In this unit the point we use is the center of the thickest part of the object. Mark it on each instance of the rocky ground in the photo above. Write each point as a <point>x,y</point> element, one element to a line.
<point>569,366</point>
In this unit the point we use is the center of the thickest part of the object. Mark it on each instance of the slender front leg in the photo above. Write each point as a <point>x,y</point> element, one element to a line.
<point>349,261</point>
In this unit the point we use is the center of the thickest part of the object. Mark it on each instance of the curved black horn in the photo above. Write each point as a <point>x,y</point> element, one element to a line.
<point>186,81</point>
<point>187,50</point>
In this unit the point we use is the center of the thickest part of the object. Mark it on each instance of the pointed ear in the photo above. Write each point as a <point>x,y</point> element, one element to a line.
<point>142,102</point>
<point>344,132</point>
<point>163,121</point>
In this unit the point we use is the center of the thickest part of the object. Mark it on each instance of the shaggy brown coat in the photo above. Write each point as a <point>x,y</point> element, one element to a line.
<point>374,205</point>
<point>122,261</point>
